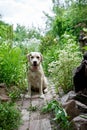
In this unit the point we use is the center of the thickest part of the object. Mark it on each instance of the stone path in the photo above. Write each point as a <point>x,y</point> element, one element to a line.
<point>31,115</point>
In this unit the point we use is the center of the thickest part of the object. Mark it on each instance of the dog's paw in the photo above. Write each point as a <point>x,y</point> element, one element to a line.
<point>42,96</point>
<point>45,90</point>
<point>27,96</point>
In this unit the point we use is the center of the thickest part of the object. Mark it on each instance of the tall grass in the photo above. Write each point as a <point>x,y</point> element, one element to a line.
<point>12,65</point>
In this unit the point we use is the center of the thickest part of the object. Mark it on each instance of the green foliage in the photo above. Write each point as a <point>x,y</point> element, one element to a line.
<point>76,22</point>
<point>49,56</point>
<point>21,33</point>
<point>32,108</point>
<point>10,117</point>
<point>68,16</point>
<point>64,55</point>
<point>47,47</point>
<point>60,115</point>
<point>6,31</point>
<point>68,59</point>
<point>14,92</point>
<point>12,65</point>
<point>46,43</point>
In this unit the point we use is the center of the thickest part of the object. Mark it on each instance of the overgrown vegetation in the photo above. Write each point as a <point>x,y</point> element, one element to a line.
<point>60,116</point>
<point>68,58</point>
<point>59,46</point>
<point>11,65</point>
<point>10,117</point>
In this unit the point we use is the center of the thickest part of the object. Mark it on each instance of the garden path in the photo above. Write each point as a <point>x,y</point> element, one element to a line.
<point>31,115</point>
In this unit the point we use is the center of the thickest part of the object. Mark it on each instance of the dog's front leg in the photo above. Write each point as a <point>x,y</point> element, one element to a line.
<point>41,88</point>
<point>29,91</point>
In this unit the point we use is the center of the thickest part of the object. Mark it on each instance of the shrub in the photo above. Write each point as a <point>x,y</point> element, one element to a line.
<point>60,116</point>
<point>48,47</point>
<point>62,69</point>
<point>10,117</point>
<point>46,43</point>
<point>49,56</point>
<point>12,65</point>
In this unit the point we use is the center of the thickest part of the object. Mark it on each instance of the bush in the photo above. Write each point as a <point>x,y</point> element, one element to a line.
<point>62,69</point>
<point>48,48</point>
<point>10,117</point>
<point>49,56</point>
<point>60,116</point>
<point>12,65</point>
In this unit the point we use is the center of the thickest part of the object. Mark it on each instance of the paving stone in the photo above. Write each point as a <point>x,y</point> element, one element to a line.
<point>35,102</point>
<point>25,115</point>
<point>35,115</point>
<point>26,103</point>
<point>43,124</point>
<point>42,102</point>
<point>24,126</point>
<point>42,116</point>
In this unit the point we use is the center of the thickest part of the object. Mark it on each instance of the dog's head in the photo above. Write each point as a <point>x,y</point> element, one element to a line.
<point>34,58</point>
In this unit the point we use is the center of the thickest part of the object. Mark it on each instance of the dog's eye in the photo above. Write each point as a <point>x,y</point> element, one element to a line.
<point>37,57</point>
<point>32,57</point>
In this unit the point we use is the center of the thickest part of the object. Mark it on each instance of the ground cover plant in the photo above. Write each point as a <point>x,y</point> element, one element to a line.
<point>10,116</point>
<point>60,116</point>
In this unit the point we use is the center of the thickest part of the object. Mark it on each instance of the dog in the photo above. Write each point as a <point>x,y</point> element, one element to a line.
<point>36,76</point>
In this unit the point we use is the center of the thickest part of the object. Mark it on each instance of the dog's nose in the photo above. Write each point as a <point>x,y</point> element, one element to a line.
<point>34,63</point>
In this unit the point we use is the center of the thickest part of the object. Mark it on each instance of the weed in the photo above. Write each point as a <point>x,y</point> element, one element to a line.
<point>10,117</point>
<point>32,108</point>
<point>60,115</point>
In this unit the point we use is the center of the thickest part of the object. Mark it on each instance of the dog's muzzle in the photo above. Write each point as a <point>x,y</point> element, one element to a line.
<point>34,63</point>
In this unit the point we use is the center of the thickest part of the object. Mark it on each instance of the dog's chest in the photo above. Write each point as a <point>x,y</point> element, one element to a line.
<point>35,75</point>
<point>35,79</point>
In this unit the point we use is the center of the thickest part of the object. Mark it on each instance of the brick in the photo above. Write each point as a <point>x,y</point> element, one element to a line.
<point>35,102</point>
<point>25,115</point>
<point>24,126</point>
<point>26,103</point>
<point>43,124</point>
<point>35,115</point>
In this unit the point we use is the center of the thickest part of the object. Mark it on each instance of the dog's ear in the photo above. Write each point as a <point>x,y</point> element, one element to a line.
<point>28,57</point>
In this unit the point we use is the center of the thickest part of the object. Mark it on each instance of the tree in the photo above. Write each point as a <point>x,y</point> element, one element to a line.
<point>6,31</point>
<point>21,33</point>
<point>68,16</point>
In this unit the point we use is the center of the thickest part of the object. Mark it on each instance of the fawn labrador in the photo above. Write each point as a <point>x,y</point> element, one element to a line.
<point>36,77</point>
